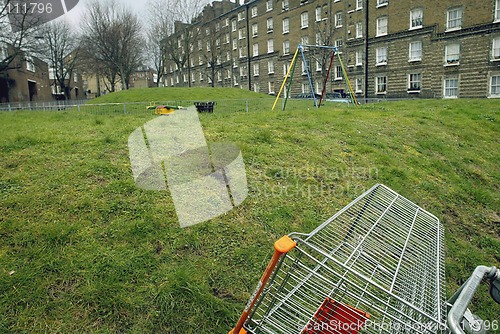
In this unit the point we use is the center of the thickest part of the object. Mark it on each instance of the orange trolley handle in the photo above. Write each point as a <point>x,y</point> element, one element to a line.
<point>281,246</point>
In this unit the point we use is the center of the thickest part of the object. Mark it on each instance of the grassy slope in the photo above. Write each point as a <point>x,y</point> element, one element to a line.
<point>92,253</point>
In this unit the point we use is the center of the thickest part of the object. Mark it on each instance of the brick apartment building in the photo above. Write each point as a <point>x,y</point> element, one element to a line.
<point>425,48</point>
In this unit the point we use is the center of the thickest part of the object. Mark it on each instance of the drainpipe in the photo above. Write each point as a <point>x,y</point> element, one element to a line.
<point>367,30</point>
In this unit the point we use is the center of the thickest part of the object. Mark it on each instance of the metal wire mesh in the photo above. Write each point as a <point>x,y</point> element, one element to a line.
<point>374,267</point>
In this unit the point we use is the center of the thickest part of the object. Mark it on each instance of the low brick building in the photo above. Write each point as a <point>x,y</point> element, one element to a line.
<point>26,79</point>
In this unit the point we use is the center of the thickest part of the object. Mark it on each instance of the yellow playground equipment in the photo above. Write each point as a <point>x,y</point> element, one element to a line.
<point>162,109</point>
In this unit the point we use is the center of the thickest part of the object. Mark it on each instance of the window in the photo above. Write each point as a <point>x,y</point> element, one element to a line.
<point>241,52</point>
<point>270,45</point>
<point>304,20</point>
<point>318,66</point>
<point>207,32</point>
<point>454,19</point>
<point>317,13</point>
<point>414,80</point>
<point>497,10</point>
<point>235,63</point>
<point>286,67</point>
<point>228,56</point>
<point>30,65</point>
<point>241,33</point>
<point>359,58</point>
<point>270,24</point>
<point>318,39</point>
<point>338,72</point>
<point>233,26</point>
<point>228,74</point>
<point>359,30</point>
<point>358,85</point>
<point>382,26</point>
<point>200,45</point>
<point>452,54</point>
<point>381,54</point>
<point>381,3</point>
<point>256,49</point>
<point>381,85</point>
<point>359,4</point>
<point>338,20</point>
<point>235,81</point>
<point>256,70</point>
<point>495,49</point>
<point>235,44</point>
<point>415,51</point>
<point>270,86</point>
<point>451,88</point>
<point>226,22</point>
<point>285,5</point>
<point>209,48</point>
<point>217,42</point>
<point>243,72</point>
<point>270,67</point>
<point>338,44</point>
<point>219,76</point>
<point>495,86</point>
<point>269,5</point>
<point>254,11</point>
<point>227,38</point>
<point>286,47</point>
<point>241,16</point>
<point>217,27</point>
<point>416,18</point>
<point>286,25</point>
<point>256,87</point>
<point>304,40</point>
<point>255,30</point>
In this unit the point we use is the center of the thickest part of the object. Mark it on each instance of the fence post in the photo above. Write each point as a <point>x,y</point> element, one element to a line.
<point>246,105</point>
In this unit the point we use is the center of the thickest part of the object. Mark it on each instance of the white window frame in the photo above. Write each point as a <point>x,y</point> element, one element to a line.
<point>241,16</point>
<point>495,94</point>
<point>447,89</point>
<point>416,18</point>
<point>317,13</point>
<point>339,20</point>
<point>235,44</point>
<point>359,4</point>
<point>359,58</point>
<point>452,54</point>
<point>270,45</point>
<point>338,73</point>
<point>382,26</point>
<point>382,3</point>
<point>496,15</point>
<point>233,25</point>
<point>304,40</point>
<point>30,63</point>
<point>454,23</point>
<point>270,25</point>
<point>495,49</point>
<point>270,66</point>
<point>255,50</point>
<point>415,51</point>
<point>255,30</point>
<point>269,5</point>
<point>304,20</point>
<point>286,25</point>
<point>381,82</point>
<point>381,56</point>
<point>285,5</point>
<point>412,80</point>
<point>358,85</point>
<point>256,70</point>
<point>359,30</point>
<point>241,33</point>
<point>254,11</point>
<point>286,47</point>
<point>270,87</point>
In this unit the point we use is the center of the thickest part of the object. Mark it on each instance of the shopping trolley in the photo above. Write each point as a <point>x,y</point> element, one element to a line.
<point>377,266</point>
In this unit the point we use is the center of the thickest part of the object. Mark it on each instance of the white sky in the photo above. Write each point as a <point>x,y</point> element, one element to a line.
<point>137,6</point>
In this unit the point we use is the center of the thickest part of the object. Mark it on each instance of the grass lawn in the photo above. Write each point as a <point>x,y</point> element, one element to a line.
<point>82,249</point>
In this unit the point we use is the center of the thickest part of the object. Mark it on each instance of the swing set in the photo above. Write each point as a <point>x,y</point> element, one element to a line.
<point>291,70</point>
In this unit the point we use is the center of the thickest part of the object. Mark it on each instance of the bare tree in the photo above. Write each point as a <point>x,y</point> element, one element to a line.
<point>160,27</point>
<point>216,50</point>
<point>112,38</point>
<point>60,49</point>
<point>18,35</point>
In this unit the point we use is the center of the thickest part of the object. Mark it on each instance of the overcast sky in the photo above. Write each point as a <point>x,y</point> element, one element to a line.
<point>137,6</point>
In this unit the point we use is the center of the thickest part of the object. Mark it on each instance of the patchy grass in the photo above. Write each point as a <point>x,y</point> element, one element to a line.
<point>83,250</point>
